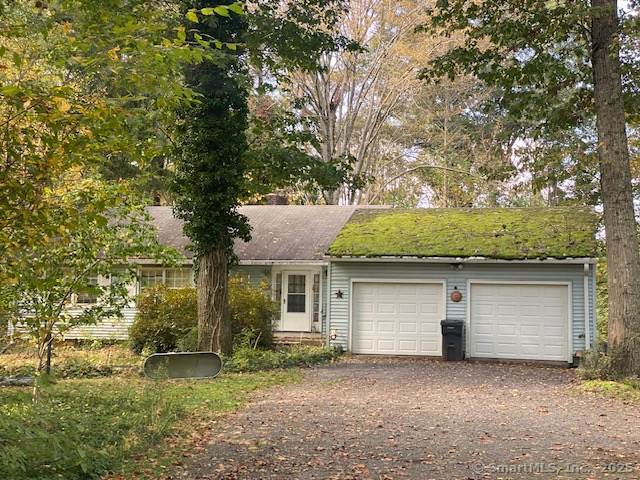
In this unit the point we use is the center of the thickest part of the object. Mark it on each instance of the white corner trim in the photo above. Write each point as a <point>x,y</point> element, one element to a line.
<point>587,310</point>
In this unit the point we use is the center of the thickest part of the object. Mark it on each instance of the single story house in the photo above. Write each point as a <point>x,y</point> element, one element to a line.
<point>380,280</point>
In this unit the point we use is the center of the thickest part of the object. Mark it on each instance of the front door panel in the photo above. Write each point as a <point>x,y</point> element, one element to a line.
<point>296,312</point>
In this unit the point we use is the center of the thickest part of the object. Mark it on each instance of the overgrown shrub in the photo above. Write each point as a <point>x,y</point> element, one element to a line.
<point>251,310</point>
<point>188,342</point>
<point>164,315</point>
<point>247,359</point>
<point>596,365</point>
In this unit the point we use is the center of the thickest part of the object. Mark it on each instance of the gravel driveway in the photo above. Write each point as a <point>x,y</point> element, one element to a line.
<point>422,419</point>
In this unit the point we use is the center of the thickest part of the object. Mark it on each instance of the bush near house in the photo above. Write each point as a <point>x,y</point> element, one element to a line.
<point>248,359</point>
<point>167,318</point>
<point>163,316</point>
<point>251,308</point>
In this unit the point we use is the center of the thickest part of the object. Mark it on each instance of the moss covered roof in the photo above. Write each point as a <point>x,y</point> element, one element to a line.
<point>499,233</point>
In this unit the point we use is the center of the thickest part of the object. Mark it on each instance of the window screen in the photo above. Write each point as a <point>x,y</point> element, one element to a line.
<point>296,293</point>
<point>178,277</point>
<point>150,277</point>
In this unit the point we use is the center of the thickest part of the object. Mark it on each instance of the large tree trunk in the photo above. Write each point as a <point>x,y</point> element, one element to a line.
<point>623,259</point>
<point>214,332</point>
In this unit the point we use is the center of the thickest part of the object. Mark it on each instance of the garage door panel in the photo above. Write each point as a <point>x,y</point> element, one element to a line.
<point>519,321</point>
<point>429,308</point>
<point>385,308</point>
<point>405,319</point>
<point>386,326</point>
<point>430,328</point>
<point>411,308</point>
<point>407,346</point>
<point>507,310</point>
<point>365,307</point>
<point>506,330</point>
<point>552,331</point>
<point>385,346</point>
<point>407,327</point>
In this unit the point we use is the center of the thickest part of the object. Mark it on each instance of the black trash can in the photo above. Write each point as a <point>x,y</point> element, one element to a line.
<point>452,340</point>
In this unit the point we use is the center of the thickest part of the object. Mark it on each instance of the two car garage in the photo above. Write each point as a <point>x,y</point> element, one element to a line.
<point>504,320</point>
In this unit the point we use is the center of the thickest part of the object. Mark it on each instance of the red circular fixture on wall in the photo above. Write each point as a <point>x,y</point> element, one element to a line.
<point>456,296</point>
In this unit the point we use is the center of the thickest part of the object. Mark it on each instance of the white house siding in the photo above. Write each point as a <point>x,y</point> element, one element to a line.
<point>343,272</point>
<point>111,329</point>
<point>118,328</point>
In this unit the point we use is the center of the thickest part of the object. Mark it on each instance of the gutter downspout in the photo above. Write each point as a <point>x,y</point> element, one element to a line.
<point>587,310</point>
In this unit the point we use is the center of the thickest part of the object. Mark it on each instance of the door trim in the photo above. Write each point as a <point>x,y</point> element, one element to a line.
<point>567,284</point>
<point>309,271</point>
<point>442,282</point>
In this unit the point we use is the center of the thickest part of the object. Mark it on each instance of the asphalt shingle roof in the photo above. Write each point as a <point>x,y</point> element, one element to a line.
<point>279,232</point>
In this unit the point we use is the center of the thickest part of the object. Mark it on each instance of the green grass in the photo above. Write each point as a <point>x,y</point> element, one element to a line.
<point>626,390</point>
<point>503,233</point>
<point>88,428</point>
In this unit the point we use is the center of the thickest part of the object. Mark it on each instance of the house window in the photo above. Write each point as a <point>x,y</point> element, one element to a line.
<point>171,277</point>
<point>151,277</point>
<point>316,297</point>
<point>179,277</point>
<point>90,295</point>
<point>296,293</point>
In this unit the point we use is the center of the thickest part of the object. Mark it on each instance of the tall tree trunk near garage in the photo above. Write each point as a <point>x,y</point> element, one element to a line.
<point>214,329</point>
<point>623,258</point>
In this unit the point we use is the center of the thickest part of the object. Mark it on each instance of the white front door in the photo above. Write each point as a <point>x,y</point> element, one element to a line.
<point>296,302</point>
<point>519,321</point>
<point>397,318</point>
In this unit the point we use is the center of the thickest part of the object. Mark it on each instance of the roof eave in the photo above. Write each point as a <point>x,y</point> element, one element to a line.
<point>415,259</point>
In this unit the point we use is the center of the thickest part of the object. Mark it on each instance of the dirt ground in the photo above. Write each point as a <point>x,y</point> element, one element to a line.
<point>380,418</point>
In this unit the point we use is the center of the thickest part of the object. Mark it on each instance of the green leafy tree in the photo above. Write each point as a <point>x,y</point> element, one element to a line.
<point>210,171</point>
<point>79,81</point>
<point>558,65</point>
<point>80,275</point>
<point>216,167</point>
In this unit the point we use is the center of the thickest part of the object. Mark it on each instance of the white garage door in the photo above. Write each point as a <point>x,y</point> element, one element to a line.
<point>397,318</point>
<point>528,322</point>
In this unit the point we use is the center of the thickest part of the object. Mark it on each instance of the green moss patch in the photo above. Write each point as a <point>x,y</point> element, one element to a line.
<point>500,233</point>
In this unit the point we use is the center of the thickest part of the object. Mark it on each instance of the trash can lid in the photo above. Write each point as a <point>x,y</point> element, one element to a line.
<point>451,322</point>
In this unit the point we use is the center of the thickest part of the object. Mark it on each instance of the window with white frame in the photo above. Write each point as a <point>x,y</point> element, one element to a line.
<point>151,277</point>
<point>171,277</point>
<point>90,295</point>
<point>178,277</point>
